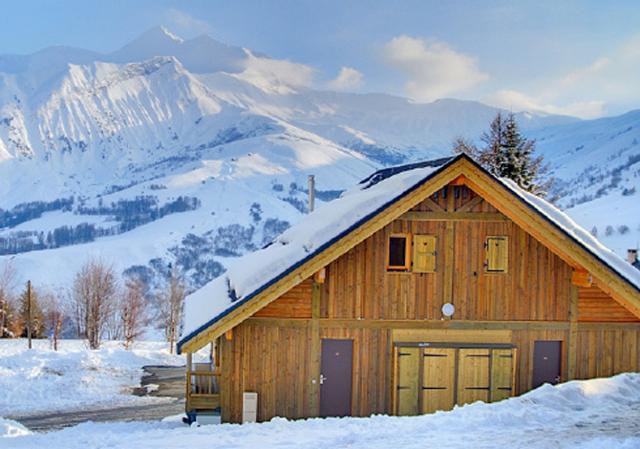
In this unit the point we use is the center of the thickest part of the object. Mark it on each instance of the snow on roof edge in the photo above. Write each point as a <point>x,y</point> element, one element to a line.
<point>577,233</point>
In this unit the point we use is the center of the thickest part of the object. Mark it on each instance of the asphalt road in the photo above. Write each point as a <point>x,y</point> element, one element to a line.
<point>171,384</point>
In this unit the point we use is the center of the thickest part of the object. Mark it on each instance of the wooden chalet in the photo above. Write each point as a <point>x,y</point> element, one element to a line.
<point>430,285</point>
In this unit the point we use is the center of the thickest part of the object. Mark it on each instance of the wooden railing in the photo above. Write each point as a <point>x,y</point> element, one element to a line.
<point>203,389</point>
<point>204,382</point>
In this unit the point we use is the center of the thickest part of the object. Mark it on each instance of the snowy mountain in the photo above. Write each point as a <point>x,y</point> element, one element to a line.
<point>193,151</point>
<point>597,165</point>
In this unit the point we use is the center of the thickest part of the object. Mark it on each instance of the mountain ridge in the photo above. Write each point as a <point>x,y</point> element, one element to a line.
<point>158,161</point>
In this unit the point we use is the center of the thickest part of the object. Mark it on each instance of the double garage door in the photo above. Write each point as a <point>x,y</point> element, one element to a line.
<point>437,376</point>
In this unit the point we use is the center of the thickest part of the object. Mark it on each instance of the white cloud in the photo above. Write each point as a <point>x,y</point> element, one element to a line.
<point>185,23</point>
<point>348,79</point>
<point>276,75</point>
<point>585,91</point>
<point>582,73</point>
<point>433,69</point>
<point>517,101</point>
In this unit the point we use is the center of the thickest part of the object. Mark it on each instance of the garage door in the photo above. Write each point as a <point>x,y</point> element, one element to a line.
<point>431,377</point>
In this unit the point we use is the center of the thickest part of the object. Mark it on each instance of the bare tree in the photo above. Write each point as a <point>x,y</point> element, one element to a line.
<point>7,286</point>
<point>170,304</point>
<point>53,317</point>
<point>466,146</point>
<point>94,295</point>
<point>133,311</point>
<point>113,322</point>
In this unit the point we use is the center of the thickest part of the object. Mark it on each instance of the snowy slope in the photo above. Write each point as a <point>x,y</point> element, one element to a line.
<point>589,414</point>
<point>195,151</point>
<point>597,165</point>
<point>593,158</point>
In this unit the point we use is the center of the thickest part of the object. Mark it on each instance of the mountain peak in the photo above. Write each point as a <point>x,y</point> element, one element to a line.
<point>157,41</point>
<point>158,34</point>
<point>202,54</point>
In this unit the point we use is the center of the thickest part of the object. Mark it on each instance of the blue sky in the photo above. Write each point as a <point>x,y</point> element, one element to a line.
<point>575,57</point>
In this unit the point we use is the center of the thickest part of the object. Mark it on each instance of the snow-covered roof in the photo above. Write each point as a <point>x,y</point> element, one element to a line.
<point>251,274</point>
<point>577,233</point>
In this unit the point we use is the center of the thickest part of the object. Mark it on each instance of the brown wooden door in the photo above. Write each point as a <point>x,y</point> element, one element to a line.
<point>407,382</point>
<point>336,377</point>
<point>473,375</point>
<point>502,366</point>
<point>546,363</point>
<point>438,379</point>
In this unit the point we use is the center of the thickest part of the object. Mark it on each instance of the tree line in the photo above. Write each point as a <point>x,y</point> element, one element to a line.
<point>128,214</point>
<point>99,305</point>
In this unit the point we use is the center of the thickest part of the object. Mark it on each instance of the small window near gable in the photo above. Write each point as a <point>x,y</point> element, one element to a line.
<point>497,254</point>
<point>424,253</point>
<point>398,252</point>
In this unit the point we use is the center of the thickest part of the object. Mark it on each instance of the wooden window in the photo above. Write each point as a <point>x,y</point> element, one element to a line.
<point>424,253</point>
<point>398,255</point>
<point>497,260</point>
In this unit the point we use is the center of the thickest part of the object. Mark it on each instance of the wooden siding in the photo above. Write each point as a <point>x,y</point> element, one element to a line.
<point>536,287</point>
<point>607,351</point>
<point>595,305</point>
<point>296,303</point>
<point>270,360</point>
<point>274,361</point>
<point>273,358</point>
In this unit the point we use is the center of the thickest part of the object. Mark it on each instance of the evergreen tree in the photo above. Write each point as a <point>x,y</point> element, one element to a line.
<point>508,154</point>
<point>492,155</point>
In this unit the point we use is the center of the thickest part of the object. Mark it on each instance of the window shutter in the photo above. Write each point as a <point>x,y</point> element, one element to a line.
<point>424,253</point>
<point>497,254</point>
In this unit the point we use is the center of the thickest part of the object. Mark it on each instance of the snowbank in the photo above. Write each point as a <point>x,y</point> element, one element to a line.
<point>41,380</point>
<point>600,413</point>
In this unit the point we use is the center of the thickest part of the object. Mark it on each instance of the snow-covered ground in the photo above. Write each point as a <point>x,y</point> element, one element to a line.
<point>593,414</point>
<point>74,378</point>
<point>616,212</point>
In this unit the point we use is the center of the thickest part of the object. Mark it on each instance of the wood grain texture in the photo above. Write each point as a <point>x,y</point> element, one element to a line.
<point>536,286</point>
<point>296,303</point>
<point>595,305</point>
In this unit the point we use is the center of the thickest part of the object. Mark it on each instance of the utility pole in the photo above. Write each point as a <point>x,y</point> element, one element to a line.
<point>29,312</point>
<point>312,191</point>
